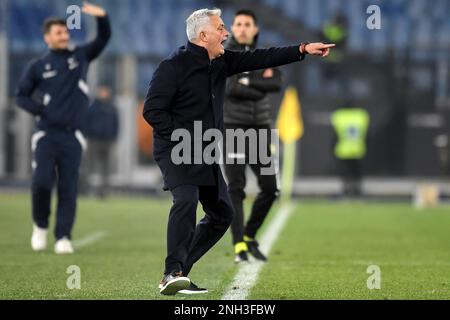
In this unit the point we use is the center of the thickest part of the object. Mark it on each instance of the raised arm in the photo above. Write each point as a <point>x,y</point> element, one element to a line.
<point>95,47</point>
<point>157,105</point>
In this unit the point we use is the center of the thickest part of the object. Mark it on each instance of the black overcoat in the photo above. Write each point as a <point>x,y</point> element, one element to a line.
<point>187,86</point>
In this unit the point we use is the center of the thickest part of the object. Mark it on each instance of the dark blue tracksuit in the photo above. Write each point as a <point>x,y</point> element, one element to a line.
<point>53,89</point>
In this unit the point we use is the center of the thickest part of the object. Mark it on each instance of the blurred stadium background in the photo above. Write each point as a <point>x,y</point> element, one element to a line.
<point>399,73</point>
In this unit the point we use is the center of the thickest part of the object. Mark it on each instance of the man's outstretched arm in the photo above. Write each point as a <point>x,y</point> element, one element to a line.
<point>95,47</point>
<point>241,61</point>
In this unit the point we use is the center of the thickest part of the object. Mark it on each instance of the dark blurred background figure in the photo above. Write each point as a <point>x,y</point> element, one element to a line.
<point>441,142</point>
<point>247,107</point>
<point>350,125</point>
<point>335,31</point>
<point>102,129</point>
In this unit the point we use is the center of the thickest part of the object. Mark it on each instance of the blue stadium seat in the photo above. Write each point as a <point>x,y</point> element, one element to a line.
<point>158,25</point>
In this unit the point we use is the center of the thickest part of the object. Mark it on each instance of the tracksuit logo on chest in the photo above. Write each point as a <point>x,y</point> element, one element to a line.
<point>72,62</point>
<point>48,73</point>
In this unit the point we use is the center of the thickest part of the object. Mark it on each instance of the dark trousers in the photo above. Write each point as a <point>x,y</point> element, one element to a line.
<point>99,156</point>
<point>57,157</point>
<point>350,170</point>
<point>268,193</point>
<point>186,241</point>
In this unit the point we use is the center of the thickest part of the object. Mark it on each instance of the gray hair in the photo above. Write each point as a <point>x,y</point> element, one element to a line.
<point>197,20</point>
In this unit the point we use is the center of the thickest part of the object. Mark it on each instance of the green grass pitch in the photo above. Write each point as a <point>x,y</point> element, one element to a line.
<point>323,252</point>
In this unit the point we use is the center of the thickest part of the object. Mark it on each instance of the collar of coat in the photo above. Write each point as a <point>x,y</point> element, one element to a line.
<point>197,50</point>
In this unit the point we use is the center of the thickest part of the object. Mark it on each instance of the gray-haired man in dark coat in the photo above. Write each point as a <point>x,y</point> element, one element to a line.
<point>188,87</point>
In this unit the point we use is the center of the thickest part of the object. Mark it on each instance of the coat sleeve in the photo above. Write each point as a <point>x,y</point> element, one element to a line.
<point>25,89</point>
<point>265,85</point>
<point>93,49</point>
<point>241,61</point>
<point>237,90</point>
<point>158,102</point>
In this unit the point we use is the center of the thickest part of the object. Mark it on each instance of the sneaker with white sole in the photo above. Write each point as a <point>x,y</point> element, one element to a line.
<point>240,251</point>
<point>241,257</point>
<point>172,283</point>
<point>63,246</point>
<point>193,289</point>
<point>39,238</point>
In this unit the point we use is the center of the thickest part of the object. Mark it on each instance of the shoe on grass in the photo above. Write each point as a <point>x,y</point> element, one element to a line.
<point>240,250</point>
<point>63,246</point>
<point>193,289</point>
<point>253,245</point>
<point>39,238</point>
<point>173,282</point>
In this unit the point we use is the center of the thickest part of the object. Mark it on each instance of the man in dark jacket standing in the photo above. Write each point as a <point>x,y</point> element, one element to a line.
<point>247,107</point>
<point>102,129</point>
<point>188,87</point>
<point>54,90</point>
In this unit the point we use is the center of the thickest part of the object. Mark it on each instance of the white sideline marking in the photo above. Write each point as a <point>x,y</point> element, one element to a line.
<point>248,273</point>
<point>87,240</point>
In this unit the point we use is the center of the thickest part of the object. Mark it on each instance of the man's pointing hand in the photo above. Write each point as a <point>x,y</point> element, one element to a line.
<point>316,49</point>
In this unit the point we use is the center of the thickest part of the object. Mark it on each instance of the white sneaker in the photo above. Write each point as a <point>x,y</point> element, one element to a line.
<point>39,239</point>
<point>63,246</point>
